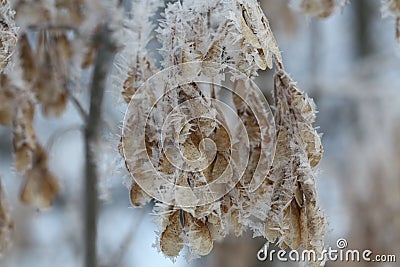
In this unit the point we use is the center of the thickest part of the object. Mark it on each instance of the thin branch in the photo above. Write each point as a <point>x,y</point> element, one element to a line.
<point>60,132</point>
<point>118,256</point>
<point>78,106</point>
<point>83,112</point>
<point>104,58</point>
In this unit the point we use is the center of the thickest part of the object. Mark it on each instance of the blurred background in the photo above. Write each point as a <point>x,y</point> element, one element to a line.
<point>348,63</point>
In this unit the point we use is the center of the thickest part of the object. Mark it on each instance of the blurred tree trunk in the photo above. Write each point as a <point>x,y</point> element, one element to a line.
<point>103,61</point>
<point>365,11</point>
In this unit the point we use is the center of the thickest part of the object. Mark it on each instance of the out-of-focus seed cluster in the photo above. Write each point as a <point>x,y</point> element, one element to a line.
<point>325,8</point>
<point>67,14</point>
<point>52,43</point>
<point>318,8</point>
<point>283,206</point>
<point>8,36</point>
<point>45,69</point>
<point>27,149</point>
<point>29,157</point>
<point>40,185</point>
<point>6,224</point>
<point>392,8</point>
<point>41,70</point>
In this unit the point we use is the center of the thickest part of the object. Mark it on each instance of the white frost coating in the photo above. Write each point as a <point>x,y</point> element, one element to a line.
<point>208,162</point>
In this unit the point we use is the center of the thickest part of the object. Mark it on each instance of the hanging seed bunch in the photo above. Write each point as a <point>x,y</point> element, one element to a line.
<point>40,14</point>
<point>318,8</point>
<point>207,173</point>
<point>8,34</point>
<point>325,8</point>
<point>48,73</point>
<point>53,40</point>
<point>38,77</point>
<point>137,65</point>
<point>46,60</point>
<point>6,224</point>
<point>18,110</point>
<point>295,218</point>
<point>392,8</point>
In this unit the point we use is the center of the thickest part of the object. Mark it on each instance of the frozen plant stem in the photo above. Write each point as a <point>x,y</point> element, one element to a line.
<point>104,58</point>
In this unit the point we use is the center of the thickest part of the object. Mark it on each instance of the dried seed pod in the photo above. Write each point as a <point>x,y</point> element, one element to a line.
<point>40,186</point>
<point>216,231</point>
<point>216,227</point>
<point>198,236</point>
<point>318,8</point>
<point>50,82</point>
<point>57,106</point>
<point>283,194</point>
<point>256,31</point>
<point>315,217</point>
<point>212,60</point>
<point>220,165</point>
<point>260,133</point>
<point>62,46</point>
<point>190,150</point>
<point>5,108</point>
<point>6,101</point>
<point>293,234</point>
<point>235,221</point>
<point>222,139</point>
<point>304,109</point>
<point>28,63</point>
<point>138,73</point>
<point>138,196</point>
<point>172,239</point>
<point>24,138</point>
<point>6,223</point>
